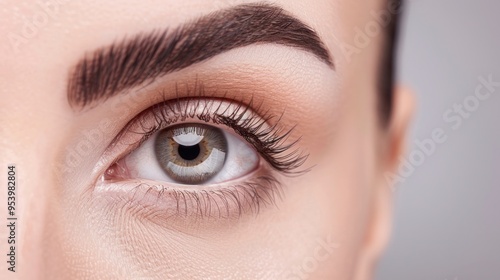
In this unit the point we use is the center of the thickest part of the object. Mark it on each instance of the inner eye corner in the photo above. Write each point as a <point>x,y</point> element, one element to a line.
<point>201,145</point>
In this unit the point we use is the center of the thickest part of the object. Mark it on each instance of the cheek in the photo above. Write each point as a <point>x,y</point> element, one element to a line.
<point>312,234</point>
<point>335,199</point>
<point>75,245</point>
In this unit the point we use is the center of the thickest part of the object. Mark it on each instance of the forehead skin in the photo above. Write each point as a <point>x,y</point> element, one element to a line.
<point>59,241</point>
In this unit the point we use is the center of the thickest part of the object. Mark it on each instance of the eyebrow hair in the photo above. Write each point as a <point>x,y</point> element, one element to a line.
<point>132,62</point>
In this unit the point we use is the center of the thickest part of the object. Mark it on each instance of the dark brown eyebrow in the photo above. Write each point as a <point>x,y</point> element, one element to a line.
<point>132,62</point>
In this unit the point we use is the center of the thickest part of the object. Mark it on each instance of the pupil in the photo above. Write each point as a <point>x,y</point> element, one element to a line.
<point>189,152</point>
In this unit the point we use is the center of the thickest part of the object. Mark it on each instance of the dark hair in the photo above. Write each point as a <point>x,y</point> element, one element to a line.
<point>388,64</point>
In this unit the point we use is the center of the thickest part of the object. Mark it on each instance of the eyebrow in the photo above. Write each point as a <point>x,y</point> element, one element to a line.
<point>110,70</point>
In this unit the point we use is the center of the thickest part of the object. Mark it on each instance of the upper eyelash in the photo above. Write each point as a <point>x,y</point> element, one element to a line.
<point>270,142</point>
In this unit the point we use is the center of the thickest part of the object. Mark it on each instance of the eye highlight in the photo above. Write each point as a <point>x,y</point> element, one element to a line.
<point>203,156</point>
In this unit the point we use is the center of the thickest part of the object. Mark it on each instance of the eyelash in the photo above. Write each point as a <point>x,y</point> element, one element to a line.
<point>270,141</point>
<point>226,202</point>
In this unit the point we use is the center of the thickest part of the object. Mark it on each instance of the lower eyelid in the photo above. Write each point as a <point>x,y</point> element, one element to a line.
<point>161,203</point>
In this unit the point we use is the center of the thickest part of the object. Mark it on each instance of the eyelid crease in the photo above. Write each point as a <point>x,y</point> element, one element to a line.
<point>271,141</point>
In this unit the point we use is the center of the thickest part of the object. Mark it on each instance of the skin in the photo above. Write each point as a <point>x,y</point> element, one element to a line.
<point>333,221</point>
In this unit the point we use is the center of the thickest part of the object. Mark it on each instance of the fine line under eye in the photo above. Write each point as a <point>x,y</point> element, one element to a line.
<point>226,202</point>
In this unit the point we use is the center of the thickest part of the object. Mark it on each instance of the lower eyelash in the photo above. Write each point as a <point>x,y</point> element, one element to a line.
<point>163,203</point>
<point>270,141</point>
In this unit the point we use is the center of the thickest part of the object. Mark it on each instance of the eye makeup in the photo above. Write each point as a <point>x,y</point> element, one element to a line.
<point>233,190</point>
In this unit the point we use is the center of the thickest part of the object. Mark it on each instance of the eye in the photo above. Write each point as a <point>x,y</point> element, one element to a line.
<point>192,154</point>
<point>201,157</point>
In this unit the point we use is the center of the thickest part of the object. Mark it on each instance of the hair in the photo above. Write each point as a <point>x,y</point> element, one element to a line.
<point>388,64</point>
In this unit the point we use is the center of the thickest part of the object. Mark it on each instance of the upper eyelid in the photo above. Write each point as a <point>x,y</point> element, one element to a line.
<point>138,122</point>
<point>173,105</point>
<point>271,142</point>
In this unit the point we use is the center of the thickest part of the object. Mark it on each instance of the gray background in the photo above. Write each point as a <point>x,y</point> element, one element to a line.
<point>447,219</point>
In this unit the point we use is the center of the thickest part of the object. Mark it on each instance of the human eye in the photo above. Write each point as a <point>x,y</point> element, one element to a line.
<point>201,157</point>
<point>191,154</point>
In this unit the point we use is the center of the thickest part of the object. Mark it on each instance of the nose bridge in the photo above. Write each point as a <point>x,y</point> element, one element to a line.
<point>24,207</point>
<point>31,241</point>
<point>42,225</point>
<point>33,198</point>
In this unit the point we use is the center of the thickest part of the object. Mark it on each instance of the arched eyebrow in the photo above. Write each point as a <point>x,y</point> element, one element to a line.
<point>110,70</point>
